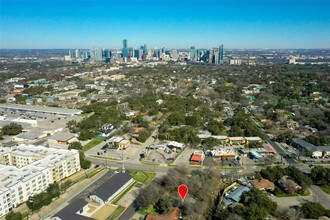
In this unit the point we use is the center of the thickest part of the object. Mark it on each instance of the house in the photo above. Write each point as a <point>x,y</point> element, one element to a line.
<point>292,124</point>
<point>263,184</point>
<point>197,158</point>
<point>159,101</point>
<point>288,185</point>
<point>111,187</point>
<point>173,214</point>
<point>311,129</point>
<point>235,195</point>
<point>175,146</point>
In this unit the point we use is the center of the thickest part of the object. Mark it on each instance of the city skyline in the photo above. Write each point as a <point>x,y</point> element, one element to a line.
<point>34,24</point>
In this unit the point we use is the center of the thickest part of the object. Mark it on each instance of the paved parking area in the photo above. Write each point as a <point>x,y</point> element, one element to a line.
<point>183,158</point>
<point>113,153</point>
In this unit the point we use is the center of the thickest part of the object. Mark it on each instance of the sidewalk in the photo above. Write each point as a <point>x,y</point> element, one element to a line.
<point>65,197</point>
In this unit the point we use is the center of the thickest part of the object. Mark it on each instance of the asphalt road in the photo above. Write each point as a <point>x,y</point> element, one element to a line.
<point>321,196</point>
<point>128,213</point>
<point>278,149</point>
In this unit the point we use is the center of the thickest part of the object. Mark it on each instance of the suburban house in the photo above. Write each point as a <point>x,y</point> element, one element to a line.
<point>263,184</point>
<point>173,214</point>
<point>235,195</point>
<point>111,188</point>
<point>292,124</point>
<point>288,185</point>
<point>197,158</point>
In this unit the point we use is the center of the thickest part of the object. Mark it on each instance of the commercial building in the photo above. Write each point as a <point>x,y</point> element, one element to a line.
<point>305,147</point>
<point>41,109</point>
<point>110,185</point>
<point>26,170</point>
<point>197,158</point>
<point>111,188</point>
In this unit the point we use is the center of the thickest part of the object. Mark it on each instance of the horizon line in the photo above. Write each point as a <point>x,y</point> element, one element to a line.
<point>180,48</point>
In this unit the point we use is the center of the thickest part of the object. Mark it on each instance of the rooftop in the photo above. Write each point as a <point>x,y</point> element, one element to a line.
<point>237,193</point>
<point>112,185</point>
<point>62,136</point>
<point>43,109</point>
<point>70,211</point>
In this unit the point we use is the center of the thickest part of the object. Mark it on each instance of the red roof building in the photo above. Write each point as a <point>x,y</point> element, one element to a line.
<point>197,158</point>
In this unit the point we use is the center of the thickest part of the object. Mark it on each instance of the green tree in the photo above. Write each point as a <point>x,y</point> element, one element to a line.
<point>216,128</point>
<point>14,216</point>
<point>75,145</point>
<point>85,164</point>
<point>12,129</point>
<point>192,120</point>
<point>176,118</point>
<point>320,175</point>
<point>143,135</point>
<point>209,143</point>
<point>314,210</point>
<point>163,205</point>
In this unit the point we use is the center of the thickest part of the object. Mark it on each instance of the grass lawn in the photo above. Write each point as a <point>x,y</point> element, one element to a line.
<point>149,210</point>
<point>306,193</point>
<point>121,195</point>
<point>92,144</point>
<point>144,177</point>
<point>325,189</point>
<point>116,213</point>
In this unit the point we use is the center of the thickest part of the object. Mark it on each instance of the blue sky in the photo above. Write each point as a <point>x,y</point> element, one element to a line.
<point>169,23</point>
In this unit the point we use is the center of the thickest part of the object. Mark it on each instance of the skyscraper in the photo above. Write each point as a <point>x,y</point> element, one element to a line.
<point>216,56</point>
<point>98,55</point>
<point>221,54</point>
<point>77,54</point>
<point>192,53</point>
<point>125,49</point>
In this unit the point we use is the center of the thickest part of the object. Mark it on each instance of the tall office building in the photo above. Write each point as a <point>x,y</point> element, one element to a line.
<point>216,55</point>
<point>221,54</point>
<point>98,55</point>
<point>125,49</point>
<point>210,58</point>
<point>77,55</point>
<point>192,53</point>
<point>71,54</point>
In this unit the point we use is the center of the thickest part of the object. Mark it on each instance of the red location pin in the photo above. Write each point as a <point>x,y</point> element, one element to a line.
<point>183,191</point>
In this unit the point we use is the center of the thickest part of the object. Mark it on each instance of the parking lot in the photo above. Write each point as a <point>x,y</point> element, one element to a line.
<point>44,120</point>
<point>114,154</point>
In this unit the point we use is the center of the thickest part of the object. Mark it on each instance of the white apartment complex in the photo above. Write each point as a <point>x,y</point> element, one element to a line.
<point>26,170</point>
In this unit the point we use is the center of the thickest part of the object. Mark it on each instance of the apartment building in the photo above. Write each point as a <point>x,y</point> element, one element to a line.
<point>26,170</point>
